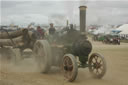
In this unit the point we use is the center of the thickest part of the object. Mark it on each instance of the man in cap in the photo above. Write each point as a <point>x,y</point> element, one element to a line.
<point>52,29</point>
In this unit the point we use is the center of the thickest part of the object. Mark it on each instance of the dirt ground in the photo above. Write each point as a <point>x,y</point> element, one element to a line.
<point>26,73</point>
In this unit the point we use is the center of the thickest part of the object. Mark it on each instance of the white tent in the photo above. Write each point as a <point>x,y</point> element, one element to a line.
<point>124,32</point>
<point>123,29</point>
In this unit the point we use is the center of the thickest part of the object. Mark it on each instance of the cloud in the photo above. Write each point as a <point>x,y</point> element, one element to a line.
<point>25,19</point>
<point>114,12</point>
<point>98,12</point>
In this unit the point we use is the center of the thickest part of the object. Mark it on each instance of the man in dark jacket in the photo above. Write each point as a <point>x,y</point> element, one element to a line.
<point>52,30</point>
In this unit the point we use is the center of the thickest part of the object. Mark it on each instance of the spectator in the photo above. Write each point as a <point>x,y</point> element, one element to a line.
<point>41,32</point>
<point>52,30</point>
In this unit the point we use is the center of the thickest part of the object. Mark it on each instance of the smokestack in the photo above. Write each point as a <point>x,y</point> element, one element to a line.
<point>67,22</point>
<point>83,18</point>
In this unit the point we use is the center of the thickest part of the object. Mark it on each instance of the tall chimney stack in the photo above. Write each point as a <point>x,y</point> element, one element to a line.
<point>83,18</point>
<point>67,23</point>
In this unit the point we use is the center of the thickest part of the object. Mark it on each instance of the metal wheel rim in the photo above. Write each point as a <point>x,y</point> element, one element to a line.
<point>69,65</point>
<point>97,65</point>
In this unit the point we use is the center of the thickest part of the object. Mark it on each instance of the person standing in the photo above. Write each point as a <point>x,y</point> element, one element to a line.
<point>52,29</point>
<point>41,32</point>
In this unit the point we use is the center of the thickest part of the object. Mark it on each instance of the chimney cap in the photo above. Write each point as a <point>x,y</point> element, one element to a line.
<point>83,7</point>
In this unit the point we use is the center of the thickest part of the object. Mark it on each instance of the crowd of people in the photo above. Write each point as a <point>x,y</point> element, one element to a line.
<point>40,32</point>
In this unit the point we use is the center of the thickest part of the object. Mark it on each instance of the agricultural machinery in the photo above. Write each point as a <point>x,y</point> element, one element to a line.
<point>69,51</point>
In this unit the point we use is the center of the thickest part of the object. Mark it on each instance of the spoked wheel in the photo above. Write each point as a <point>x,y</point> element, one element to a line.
<point>42,53</point>
<point>70,67</point>
<point>97,65</point>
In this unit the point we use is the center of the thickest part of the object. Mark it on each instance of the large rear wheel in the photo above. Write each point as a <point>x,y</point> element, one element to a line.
<point>43,55</point>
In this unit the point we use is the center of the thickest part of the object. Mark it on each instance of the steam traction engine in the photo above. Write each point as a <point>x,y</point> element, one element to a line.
<point>70,51</point>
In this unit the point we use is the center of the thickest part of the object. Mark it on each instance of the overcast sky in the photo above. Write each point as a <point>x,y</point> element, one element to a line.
<point>22,12</point>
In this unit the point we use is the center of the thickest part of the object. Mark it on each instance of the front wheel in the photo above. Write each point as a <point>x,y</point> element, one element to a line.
<point>97,65</point>
<point>70,67</point>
